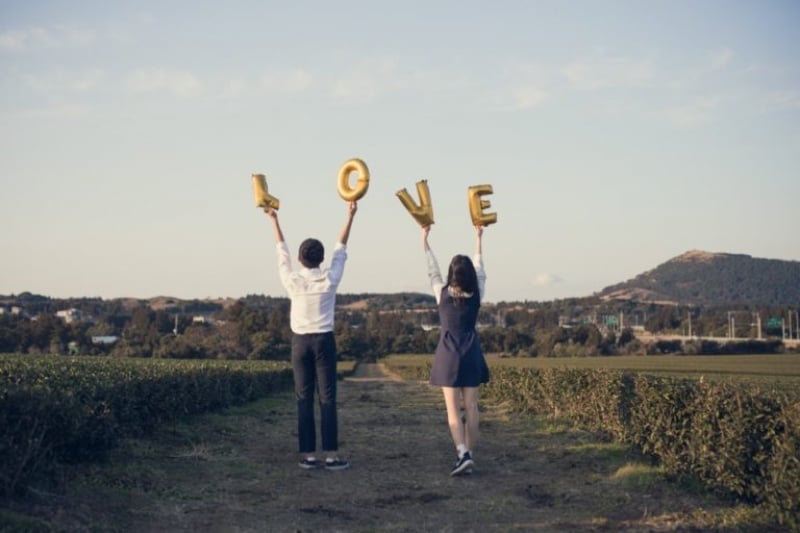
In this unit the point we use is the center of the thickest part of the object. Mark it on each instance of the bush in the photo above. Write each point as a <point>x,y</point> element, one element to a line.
<point>64,409</point>
<point>739,440</point>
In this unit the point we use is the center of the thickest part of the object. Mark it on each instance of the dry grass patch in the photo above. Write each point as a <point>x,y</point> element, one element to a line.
<point>237,471</point>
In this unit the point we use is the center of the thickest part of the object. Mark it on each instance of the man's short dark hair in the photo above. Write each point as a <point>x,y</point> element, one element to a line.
<point>311,253</point>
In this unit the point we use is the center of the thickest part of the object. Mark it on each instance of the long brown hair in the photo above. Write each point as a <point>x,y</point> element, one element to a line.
<point>461,275</point>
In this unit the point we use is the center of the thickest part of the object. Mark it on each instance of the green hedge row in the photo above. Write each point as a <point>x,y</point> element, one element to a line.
<point>731,437</point>
<point>63,409</point>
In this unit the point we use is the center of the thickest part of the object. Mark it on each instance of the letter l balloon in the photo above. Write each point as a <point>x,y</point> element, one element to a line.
<point>262,196</point>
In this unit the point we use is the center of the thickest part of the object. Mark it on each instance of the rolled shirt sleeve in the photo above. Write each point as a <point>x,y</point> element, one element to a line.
<point>477,261</point>
<point>434,275</point>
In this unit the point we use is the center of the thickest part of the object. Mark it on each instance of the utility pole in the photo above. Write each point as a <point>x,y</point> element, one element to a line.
<point>690,322</point>
<point>758,325</point>
<point>731,329</point>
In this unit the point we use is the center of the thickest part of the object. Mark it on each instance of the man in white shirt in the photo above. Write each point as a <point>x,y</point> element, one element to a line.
<point>312,291</point>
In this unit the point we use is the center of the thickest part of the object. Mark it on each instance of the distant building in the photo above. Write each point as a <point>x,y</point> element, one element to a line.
<point>104,339</point>
<point>70,315</point>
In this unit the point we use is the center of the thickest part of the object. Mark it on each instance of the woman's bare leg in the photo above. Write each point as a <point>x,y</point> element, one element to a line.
<point>451,401</point>
<point>470,395</point>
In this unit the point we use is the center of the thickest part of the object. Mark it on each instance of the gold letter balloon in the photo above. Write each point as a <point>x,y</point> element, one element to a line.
<point>263,198</point>
<point>352,194</point>
<point>476,205</point>
<point>422,213</point>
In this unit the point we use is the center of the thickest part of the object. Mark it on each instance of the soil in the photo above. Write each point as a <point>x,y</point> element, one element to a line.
<point>236,471</point>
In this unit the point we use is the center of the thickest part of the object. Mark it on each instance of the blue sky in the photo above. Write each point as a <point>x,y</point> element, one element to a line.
<point>615,134</point>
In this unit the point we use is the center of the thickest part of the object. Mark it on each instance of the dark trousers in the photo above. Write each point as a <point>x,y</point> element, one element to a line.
<point>314,364</point>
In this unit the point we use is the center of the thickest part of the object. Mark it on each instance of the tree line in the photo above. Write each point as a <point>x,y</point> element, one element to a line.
<point>371,326</point>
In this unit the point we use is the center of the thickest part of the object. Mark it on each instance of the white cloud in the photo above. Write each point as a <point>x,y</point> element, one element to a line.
<point>602,72</point>
<point>59,110</point>
<point>377,77</point>
<point>30,38</point>
<point>79,37</point>
<point>60,81</point>
<point>720,58</point>
<point>234,88</point>
<point>13,40</point>
<point>783,100</point>
<point>87,81</point>
<point>705,71</point>
<point>694,113</point>
<point>547,280</point>
<point>356,86</point>
<point>291,81</point>
<point>527,97</point>
<point>179,83</point>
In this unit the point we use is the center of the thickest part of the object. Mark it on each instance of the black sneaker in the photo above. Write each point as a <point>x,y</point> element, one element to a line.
<point>308,464</point>
<point>463,465</point>
<point>336,464</point>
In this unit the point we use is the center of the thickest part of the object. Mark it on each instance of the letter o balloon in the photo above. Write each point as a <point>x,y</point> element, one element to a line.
<point>352,194</point>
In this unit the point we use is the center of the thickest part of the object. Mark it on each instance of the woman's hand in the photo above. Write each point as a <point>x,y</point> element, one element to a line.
<point>425,231</point>
<point>478,239</point>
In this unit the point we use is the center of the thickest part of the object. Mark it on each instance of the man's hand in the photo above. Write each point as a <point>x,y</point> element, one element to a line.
<point>352,207</point>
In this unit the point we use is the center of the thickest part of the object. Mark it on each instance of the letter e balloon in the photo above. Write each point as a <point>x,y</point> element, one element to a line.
<point>477,205</point>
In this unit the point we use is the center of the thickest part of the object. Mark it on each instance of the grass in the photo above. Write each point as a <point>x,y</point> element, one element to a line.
<point>778,366</point>
<point>768,371</point>
<point>236,471</point>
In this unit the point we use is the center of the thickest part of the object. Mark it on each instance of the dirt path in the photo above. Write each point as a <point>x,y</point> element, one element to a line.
<point>237,472</point>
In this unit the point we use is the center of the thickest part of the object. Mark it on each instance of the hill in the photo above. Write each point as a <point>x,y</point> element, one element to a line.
<point>696,278</point>
<point>704,278</point>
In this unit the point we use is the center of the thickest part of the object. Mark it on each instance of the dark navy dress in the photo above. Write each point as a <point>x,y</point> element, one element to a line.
<point>458,361</point>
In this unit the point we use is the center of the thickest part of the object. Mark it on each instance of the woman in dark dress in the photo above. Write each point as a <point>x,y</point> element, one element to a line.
<point>458,364</point>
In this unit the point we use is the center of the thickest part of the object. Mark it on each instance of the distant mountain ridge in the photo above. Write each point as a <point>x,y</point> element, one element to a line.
<point>695,277</point>
<point>705,278</point>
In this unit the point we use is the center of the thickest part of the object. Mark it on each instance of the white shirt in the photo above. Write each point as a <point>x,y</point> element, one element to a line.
<point>311,290</point>
<point>435,275</point>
